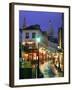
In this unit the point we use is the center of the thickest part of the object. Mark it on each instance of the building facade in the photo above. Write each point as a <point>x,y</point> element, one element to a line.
<point>31,49</point>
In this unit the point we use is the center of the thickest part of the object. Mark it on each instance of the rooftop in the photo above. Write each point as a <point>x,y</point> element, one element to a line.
<point>32,27</point>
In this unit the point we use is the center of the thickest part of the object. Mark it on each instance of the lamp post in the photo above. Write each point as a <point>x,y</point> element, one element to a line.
<point>37,66</point>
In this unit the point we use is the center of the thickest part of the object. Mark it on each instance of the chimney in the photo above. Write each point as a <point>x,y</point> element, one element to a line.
<point>50,30</point>
<point>24,22</point>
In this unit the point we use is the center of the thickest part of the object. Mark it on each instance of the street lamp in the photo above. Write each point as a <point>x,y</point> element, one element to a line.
<point>38,39</point>
<point>60,49</point>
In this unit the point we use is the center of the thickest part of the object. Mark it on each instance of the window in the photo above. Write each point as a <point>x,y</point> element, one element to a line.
<point>27,35</point>
<point>33,35</point>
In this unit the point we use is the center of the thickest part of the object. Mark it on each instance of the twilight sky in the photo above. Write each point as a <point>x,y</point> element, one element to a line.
<point>46,20</point>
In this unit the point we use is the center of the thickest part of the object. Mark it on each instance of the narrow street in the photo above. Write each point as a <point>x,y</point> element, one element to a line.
<point>49,70</point>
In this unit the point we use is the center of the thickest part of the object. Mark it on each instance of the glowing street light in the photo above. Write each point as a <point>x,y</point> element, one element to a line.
<point>59,47</point>
<point>38,39</point>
